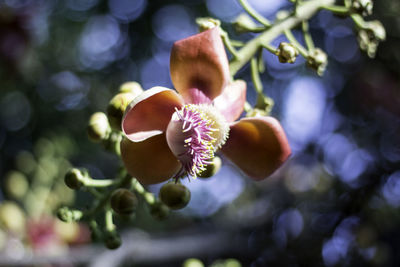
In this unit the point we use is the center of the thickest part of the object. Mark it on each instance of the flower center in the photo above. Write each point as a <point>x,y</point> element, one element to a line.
<point>194,133</point>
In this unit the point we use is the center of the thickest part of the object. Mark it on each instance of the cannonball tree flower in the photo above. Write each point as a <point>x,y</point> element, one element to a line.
<point>170,134</point>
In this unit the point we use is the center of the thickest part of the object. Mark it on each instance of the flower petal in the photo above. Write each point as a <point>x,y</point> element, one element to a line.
<point>149,113</point>
<point>258,146</point>
<point>199,66</point>
<point>231,102</point>
<point>150,161</point>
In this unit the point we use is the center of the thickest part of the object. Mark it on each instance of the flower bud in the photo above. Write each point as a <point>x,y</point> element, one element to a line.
<point>131,87</point>
<point>362,7</point>
<point>159,211</point>
<point>287,53</point>
<point>67,215</point>
<point>232,263</point>
<point>73,178</point>
<point>207,23</point>
<point>244,23</point>
<point>282,14</point>
<point>12,217</point>
<point>98,128</point>
<point>123,201</point>
<point>370,36</point>
<point>212,168</point>
<point>192,262</point>
<point>112,240</point>
<point>16,184</point>
<point>175,196</point>
<point>116,108</point>
<point>317,60</point>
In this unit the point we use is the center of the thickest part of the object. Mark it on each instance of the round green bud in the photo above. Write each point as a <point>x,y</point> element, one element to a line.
<point>123,201</point>
<point>243,23</point>
<point>73,178</point>
<point>98,127</point>
<point>116,108</point>
<point>12,217</point>
<point>287,53</point>
<point>192,262</point>
<point>317,60</point>
<point>131,87</point>
<point>16,184</point>
<point>282,14</point>
<point>207,23</point>
<point>112,240</point>
<point>159,211</point>
<point>25,162</point>
<point>232,263</point>
<point>212,168</point>
<point>175,196</point>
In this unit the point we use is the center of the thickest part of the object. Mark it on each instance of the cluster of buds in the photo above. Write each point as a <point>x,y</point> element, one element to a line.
<point>370,36</point>
<point>287,53</point>
<point>362,7</point>
<point>106,128</point>
<point>317,60</point>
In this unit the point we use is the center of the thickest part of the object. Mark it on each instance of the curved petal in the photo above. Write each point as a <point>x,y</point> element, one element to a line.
<point>149,113</point>
<point>231,102</point>
<point>258,146</point>
<point>199,66</point>
<point>150,161</point>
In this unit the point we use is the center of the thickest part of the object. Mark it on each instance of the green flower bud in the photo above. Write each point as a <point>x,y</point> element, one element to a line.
<point>67,215</point>
<point>175,196</point>
<point>73,178</point>
<point>25,162</point>
<point>112,240</point>
<point>12,217</point>
<point>16,184</point>
<point>123,201</point>
<point>244,23</point>
<point>362,7</point>
<point>317,60</point>
<point>370,36</point>
<point>98,128</point>
<point>282,14</point>
<point>207,23</point>
<point>131,87</point>
<point>116,108</point>
<point>159,211</point>
<point>287,53</point>
<point>192,262</point>
<point>232,263</point>
<point>212,168</point>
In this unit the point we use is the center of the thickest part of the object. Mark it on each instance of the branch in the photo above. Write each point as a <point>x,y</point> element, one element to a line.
<point>303,12</point>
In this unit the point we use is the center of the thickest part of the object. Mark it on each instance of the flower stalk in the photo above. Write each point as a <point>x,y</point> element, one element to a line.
<point>304,12</point>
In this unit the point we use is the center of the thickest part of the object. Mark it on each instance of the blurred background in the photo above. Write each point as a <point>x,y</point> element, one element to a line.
<point>335,203</point>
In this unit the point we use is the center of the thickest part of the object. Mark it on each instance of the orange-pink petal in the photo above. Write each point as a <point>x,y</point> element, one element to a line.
<point>149,113</point>
<point>231,102</point>
<point>258,146</point>
<point>199,66</point>
<point>149,161</point>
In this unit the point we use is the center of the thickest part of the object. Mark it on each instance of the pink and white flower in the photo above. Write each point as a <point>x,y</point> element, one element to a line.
<point>170,134</point>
